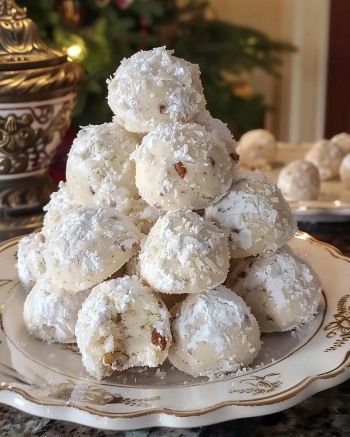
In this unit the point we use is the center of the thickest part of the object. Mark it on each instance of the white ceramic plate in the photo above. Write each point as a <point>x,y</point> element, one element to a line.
<point>333,203</point>
<point>49,380</point>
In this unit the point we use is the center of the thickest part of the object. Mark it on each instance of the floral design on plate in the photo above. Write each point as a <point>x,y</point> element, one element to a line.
<point>341,326</point>
<point>260,384</point>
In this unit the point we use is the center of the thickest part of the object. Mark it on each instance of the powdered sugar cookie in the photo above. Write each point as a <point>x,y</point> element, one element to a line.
<point>327,157</point>
<point>99,171</point>
<point>345,171</point>
<point>122,325</point>
<point>219,131</point>
<point>281,290</point>
<point>184,253</point>
<point>299,180</point>
<point>50,313</point>
<point>254,214</point>
<point>153,87</point>
<point>257,148</point>
<point>88,246</point>
<point>30,260</point>
<point>213,332</point>
<point>181,166</point>
<point>61,203</point>
<point>343,141</point>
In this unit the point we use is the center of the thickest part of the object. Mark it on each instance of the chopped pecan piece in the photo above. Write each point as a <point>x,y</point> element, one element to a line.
<point>158,340</point>
<point>115,359</point>
<point>234,156</point>
<point>180,169</point>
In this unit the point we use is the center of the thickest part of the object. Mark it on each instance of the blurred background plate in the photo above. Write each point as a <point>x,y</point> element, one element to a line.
<point>333,204</point>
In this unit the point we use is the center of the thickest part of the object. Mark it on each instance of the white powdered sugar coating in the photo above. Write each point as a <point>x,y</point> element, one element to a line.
<point>281,290</point>
<point>327,157</point>
<point>143,215</point>
<point>61,203</point>
<point>299,180</point>
<point>343,141</point>
<point>153,87</point>
<point>184,253</point>
<point>30,260</point>
<point>88,246</point>
<point>213,332</point>
<point>50,313</point>
<point>257,149</point>
<point>122,325</point>
<point>182,166</point>
<point>345,171</point>
<point>219,131</point>
<point>99,171</point>
<point>254,215</point>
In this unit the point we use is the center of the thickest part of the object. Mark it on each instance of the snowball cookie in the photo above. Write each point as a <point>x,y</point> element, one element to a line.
<point>88,246</point>
<point>30,260</point>
<point>327,157</point>
<point>50,312</point>
<point>343,141</point>
<point>345,171</point>
<point>257,148</point>
<point>153,87</point>
<point>60,204</point>
<point>281,290</point>
<point>182,166</point>
<point>122,325</point>
<point>299,180</point>
<point>184,253</point>
<point>213,332</point>
<point>99,171</point>
<point>254,214</point>
<point>220,132</point>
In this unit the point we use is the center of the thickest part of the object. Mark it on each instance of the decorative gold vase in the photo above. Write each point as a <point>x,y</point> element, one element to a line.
<point>37,97</point>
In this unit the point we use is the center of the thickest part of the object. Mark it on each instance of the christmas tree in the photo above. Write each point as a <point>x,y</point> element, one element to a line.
<point>99,33</point>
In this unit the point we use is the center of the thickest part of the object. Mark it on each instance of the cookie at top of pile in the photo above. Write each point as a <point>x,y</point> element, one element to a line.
<point>299,180</point>
<point>213,332</point>
<point>327,157</point>
<point>257,148</point>
<point>122,325</point>
<point>184,253</point>
<point>281,290</point>
<point>50,312</point>
<point>343,141</point>
<point>254,214</point>
<point>61,203</point>
<point>88,246</point>
<point>30,260</point>
<point>153,87</point>
<point>99,171</point>
<point>182,166</point>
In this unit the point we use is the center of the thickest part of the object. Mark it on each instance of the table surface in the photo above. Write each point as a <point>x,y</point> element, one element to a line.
<point>326,414</point>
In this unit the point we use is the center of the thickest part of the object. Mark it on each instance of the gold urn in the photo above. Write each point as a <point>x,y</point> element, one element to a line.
<point>38,89</point>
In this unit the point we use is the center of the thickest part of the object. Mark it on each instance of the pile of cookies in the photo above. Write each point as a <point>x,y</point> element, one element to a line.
<point>159,246</point>
<point>299,179</point>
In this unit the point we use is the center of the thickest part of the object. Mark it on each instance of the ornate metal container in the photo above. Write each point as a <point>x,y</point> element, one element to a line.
<point>37,97</point>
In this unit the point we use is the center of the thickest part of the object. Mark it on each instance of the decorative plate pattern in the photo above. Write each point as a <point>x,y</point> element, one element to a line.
<point>333,203</point>
<point>48,379</point>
